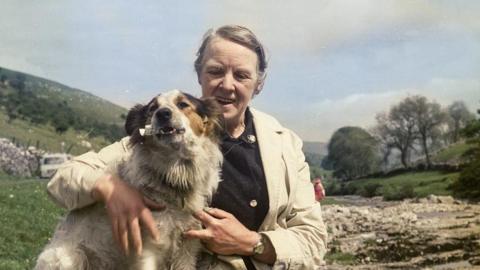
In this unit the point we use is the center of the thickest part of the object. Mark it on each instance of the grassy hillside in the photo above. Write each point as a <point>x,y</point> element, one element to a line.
<point>27,220</point>
<point>55,117</point>
<point>452,154</point>
<point>28,134</point>
<point>80,101</point>
<point>43,102</point>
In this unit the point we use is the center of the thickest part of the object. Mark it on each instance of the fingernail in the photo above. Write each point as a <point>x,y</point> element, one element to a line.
<point>207,209</point>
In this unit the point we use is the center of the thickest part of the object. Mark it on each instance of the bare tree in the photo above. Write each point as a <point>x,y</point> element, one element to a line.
<point>396,130</point>
<point>428,119</point>
<point>458,118</point>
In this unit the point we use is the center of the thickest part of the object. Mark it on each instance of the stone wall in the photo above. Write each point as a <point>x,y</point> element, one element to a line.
<point>16,160</point>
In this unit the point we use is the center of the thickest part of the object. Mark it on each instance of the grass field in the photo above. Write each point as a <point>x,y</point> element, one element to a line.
<point>423,183</point>
<point>27,220</point>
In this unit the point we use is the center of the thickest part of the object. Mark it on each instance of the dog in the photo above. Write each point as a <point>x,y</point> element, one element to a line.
<point>174,160</point>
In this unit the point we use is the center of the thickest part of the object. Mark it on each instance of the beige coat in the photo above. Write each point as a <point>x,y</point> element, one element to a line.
<point>293,224</point>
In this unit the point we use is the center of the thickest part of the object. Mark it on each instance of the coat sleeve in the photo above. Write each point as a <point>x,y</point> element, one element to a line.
<point>300,240</point>
<point>72,184</point>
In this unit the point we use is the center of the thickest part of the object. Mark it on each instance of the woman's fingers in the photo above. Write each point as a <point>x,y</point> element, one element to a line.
<point>115,232</point>
<point>136,235</point>
<point>204,235</point>
<point>218,213</point>
<point>123,235</point>
<point>147,220</point>
<point>205,217</point>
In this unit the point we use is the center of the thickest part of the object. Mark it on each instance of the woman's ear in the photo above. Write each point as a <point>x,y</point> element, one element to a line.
<point>260,84</point>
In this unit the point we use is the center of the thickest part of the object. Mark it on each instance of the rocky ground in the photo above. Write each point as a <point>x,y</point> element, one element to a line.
<point>437,232</point>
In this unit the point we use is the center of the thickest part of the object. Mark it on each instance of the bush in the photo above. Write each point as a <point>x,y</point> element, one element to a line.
<point>468,184</point>
<point>370,190</point>
<point>394,193</point>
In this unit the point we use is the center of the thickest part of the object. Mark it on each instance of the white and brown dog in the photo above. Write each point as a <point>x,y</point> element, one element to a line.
<point>175,160</point>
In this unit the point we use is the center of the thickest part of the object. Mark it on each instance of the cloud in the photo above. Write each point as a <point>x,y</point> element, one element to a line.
<point>321,119</point>
<point>320,24</point>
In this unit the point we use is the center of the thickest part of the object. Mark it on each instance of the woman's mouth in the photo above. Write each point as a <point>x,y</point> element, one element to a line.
<point>224,101</point>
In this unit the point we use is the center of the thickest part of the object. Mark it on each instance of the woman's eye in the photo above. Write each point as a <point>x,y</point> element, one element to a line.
<point>215,72</point>
<point>182,105</point>
<point>242,76</point>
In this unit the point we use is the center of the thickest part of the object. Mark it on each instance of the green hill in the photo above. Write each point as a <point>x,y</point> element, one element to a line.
<point>37,111</point>
<point>80,101</point>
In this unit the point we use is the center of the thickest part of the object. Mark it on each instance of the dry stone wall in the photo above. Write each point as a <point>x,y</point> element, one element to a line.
<point>16,160</point>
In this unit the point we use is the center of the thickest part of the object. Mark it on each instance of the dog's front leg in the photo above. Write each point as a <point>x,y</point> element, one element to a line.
<point>146,261</point>
<point>185,258</point>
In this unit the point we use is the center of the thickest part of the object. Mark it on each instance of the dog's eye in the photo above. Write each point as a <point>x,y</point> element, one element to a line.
<point>152,108</point>
<point>182,105</point>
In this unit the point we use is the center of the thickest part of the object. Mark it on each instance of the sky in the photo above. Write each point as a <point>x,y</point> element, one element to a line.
<point>332,63</point>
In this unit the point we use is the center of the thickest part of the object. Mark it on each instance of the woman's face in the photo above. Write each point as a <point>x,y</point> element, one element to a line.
<point>229,74</point>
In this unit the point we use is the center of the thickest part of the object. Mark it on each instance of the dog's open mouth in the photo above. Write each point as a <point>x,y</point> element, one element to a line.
<point>169,130</point>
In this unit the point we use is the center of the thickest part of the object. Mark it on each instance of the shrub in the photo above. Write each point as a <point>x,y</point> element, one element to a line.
<point>468,184</point>
<point>370,190</point>
<point>393,193</point>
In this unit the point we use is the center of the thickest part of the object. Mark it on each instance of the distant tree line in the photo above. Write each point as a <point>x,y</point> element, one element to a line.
<point>414,125</point>
<point>26,105</point>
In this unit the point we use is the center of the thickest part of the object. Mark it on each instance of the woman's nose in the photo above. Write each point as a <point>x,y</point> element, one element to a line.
<point>228,82</point>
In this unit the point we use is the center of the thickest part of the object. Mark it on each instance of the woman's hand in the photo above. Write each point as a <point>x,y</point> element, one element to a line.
<point>127,208</point>
<point>223,233</point>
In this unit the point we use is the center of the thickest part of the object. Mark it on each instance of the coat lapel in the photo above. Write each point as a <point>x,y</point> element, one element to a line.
<point>269,137</point>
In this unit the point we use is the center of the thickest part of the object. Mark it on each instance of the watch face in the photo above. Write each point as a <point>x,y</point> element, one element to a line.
<point>259,247</point>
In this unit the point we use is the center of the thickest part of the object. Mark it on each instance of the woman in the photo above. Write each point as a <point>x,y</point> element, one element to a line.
<point>264,213</point>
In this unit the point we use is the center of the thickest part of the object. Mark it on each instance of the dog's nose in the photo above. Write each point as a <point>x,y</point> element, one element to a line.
<point>164,114</point>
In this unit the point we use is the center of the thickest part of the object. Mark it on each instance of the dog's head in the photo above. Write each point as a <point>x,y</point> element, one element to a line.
<point>172,118</point>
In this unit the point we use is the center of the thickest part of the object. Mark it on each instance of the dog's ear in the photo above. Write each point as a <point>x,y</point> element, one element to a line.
<point>136,119</point>
<point>215,123</point>
<point>211,112</point>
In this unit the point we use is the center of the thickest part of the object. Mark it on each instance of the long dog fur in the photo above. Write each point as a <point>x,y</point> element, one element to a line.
<point>177,165</point>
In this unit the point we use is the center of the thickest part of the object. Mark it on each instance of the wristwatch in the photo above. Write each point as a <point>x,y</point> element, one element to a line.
<point>259,247</point>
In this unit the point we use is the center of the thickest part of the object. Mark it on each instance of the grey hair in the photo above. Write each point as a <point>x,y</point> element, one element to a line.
<point>240,35</point>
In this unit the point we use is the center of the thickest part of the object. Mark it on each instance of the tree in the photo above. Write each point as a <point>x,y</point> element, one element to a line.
<point>396,130</point>
<point>428,118</point>
<point>352,152</point>
<point>458,118</point>
<point>468,183</point>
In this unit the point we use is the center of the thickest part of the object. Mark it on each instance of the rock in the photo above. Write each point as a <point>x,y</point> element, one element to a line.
<point>446,199</point>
